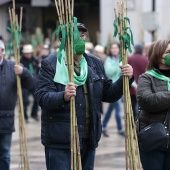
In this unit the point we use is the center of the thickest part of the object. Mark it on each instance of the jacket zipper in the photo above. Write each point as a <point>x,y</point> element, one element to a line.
<point>168,142</point>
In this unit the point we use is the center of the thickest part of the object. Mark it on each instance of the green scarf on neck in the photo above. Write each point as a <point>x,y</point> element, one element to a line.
<point>159,76</point>
<point>61,74</point>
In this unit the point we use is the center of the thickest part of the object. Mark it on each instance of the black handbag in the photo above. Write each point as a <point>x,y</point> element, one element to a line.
<point>154,135</point>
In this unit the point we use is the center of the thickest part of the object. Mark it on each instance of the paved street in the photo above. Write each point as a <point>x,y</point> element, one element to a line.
<point>109,156</point>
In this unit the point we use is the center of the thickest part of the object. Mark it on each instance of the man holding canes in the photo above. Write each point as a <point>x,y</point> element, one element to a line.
<point>54,99</point>
<point>8,98</point>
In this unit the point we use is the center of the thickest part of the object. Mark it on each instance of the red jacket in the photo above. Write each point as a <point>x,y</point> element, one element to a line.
<point>139,63</point>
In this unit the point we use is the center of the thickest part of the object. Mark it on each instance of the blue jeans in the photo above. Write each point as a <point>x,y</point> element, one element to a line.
<point>59,159</point>
<point>5,146</point>
<point>159,159</point>
<point>117,106</point>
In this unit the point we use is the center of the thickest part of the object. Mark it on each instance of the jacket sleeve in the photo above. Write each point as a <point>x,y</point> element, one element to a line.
<point>113,91</point>
<point>26,79</point>
<point>46,92</point>
<point>151,101</point>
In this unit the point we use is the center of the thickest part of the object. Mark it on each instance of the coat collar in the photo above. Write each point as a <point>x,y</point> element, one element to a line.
<point>3,62</point>
<point>88,59</point>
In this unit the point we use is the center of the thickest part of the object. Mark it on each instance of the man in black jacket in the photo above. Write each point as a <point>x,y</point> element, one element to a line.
<point>8,98</point>
<point>31,63</point>
<point>54,99</point>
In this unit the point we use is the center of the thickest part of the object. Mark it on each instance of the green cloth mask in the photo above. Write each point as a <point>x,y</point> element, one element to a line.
<point>61,74</point>
<point>167,60</point>
<point>159,76</point>
<point>80,47</point>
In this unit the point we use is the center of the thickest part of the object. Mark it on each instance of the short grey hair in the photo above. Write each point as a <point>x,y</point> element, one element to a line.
<point>2,46</point>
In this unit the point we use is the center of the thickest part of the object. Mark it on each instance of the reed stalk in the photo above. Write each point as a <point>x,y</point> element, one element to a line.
<point>16,25</point>
<point>65,13</point>
<point>131,142</point>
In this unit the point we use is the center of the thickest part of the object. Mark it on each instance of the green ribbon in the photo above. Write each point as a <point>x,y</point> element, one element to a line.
<point>15,36</point>
<point>62,28</point>
<point>76,34</point>
<point>127,37</point>
<point>120,55</point>
<point>159,76</point>
<point>61,74</point>
<point>57,31</point>
<point>63,40</point>
<point>115,28</point>
<point>131,34</point>
<point>127,19</point>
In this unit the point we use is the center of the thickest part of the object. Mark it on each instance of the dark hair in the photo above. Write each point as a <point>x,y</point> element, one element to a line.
<point>1,38</point>
<point>111,46</point>
<point>156,50</point>
<point>138,48</point>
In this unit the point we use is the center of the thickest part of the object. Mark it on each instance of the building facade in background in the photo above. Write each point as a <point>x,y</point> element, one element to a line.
<point>43,14</point>
<point>147,17</point>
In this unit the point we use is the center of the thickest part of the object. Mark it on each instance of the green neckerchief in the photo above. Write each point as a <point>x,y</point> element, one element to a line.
<point>160,77</point>
<point>31,68</point>
<point>61,74</point>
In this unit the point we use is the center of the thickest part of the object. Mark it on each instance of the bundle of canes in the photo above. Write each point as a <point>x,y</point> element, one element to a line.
<point>123,30</point>
<point>15,31</point>
<point>69,31</point>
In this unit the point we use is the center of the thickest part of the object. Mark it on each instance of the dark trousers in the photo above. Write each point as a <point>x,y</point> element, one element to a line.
<point>26,102</point>
<point>60,158</point>
<point>158,159</point>
<point>5,146</point>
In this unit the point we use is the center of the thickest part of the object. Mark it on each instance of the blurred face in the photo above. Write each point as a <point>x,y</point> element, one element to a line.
<point>114,50</point>
<point>82,35</point>
<point>28,55</point>
<point>1,53</point>
<point>162,64</point>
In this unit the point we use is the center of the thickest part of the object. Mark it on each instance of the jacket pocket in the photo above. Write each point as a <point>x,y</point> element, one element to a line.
<point>59,128</point>
<point>7,121</point>
<point>98,85</point>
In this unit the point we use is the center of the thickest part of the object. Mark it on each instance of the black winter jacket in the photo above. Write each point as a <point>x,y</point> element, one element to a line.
<point>55,130</point>
<point>8,93</point>
<point>153,98</point>
<point>34,62</point>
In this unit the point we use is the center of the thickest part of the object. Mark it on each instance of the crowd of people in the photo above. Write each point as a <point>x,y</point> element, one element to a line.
<point>98,75</point>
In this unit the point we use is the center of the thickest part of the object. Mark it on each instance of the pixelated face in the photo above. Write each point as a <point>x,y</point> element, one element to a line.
<point>1,52</point>
<point>114,50</point>
<point>82,35</point>
<point>28,55</point>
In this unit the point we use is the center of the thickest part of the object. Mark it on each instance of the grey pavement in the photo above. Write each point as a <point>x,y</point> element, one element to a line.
<point>110,154</point>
